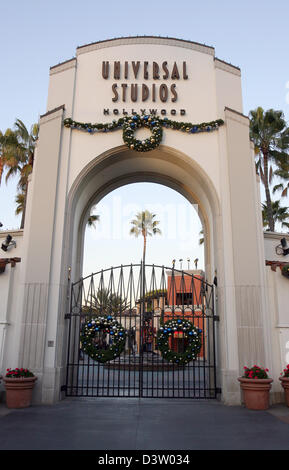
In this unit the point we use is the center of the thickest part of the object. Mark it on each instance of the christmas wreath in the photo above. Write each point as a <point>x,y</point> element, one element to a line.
<point>137,122</point>
<point>130,124</point>
<point>93,338</point>
<point>191,333</point>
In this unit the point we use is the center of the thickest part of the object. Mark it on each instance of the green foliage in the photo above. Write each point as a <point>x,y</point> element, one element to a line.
<point>285,372</point>
<point>107,302</point>
<point>285,270</point>
<point>92,219</point>
<point>20,201</point>
<point>202,239</point>
<point>144,224</point>
<point>145,145</point>
<point>282,173</point>
<point>255,372</point>
<point>18,373</point>
<point>280,214</point>
<point>155,294</point>
<point>17,157</point>
<point>270,135</point>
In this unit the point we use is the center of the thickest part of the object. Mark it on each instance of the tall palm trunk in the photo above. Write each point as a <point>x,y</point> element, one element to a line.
<point>30,162</point>
<point>267,192</point>
<point>144,247</point>
<point>24,207</point>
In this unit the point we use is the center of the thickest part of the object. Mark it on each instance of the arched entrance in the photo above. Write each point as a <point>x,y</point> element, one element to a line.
<point>119,167</point>
<point>143,300</point>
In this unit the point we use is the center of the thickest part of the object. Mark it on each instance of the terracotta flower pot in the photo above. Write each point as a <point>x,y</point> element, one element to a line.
<point>285,385</point>
<point>256,393</point>
<point>19,391</point>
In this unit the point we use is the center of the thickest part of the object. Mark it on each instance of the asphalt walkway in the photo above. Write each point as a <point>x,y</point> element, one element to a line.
<point>146,424</point>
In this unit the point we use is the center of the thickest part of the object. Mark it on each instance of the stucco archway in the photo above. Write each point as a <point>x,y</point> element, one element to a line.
<point>119,167</point>
<point>109,171</point>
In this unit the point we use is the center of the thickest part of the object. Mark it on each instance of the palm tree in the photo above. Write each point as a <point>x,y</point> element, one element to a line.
<point>10,154</point>
<point>270,134</point>
<point>280,214</point>
<point>20,200</point>
<point>92,219</point>
<point>145,225</point>
<point>17,149</point>
<point>107,302</point>
<point>202,239</point>
<point>283,173</point>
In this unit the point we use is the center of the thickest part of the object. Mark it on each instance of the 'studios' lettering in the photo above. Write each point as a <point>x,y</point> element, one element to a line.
<point>136,92</point>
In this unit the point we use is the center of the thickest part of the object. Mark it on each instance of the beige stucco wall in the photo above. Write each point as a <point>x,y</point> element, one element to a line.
<point>10,315</point>
<point>278,313</point>
<point>211,86</point>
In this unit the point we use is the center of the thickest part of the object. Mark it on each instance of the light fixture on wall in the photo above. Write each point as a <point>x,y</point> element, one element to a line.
<point>283,248</point>
<point>8,243</point>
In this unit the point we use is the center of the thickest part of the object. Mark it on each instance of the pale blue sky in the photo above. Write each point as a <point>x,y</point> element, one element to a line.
<point>35,35</point>
<point>110,243</point>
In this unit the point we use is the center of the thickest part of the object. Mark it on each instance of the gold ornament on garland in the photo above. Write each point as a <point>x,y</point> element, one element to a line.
<point>130,124</point>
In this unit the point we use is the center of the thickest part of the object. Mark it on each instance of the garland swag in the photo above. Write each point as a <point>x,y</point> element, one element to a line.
<point>155,124</point>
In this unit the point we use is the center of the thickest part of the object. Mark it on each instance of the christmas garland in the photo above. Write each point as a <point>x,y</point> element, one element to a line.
<point>130,124</point>
<point>91,331</point>
<point>192,334</point>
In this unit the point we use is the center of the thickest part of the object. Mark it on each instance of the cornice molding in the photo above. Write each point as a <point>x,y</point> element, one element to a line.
<point>236,116</point>
<point>68,64</point>
<point>153,40</point>
<point>146,40</point>
<point>226,67</point>
<point>275,235</point>
<point>13,233</point>
<point>53,114</point>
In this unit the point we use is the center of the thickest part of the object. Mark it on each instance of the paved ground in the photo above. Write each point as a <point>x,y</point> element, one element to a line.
<point>126,424</point>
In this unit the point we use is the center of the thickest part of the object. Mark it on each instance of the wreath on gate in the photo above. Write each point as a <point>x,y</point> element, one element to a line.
<point>91,335</point>
<point>192,334</point>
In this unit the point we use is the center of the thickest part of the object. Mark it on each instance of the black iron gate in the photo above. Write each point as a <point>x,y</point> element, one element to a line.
<point>116,321</point>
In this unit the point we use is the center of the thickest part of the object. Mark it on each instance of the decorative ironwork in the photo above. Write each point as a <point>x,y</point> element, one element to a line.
<point>142,299</point>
